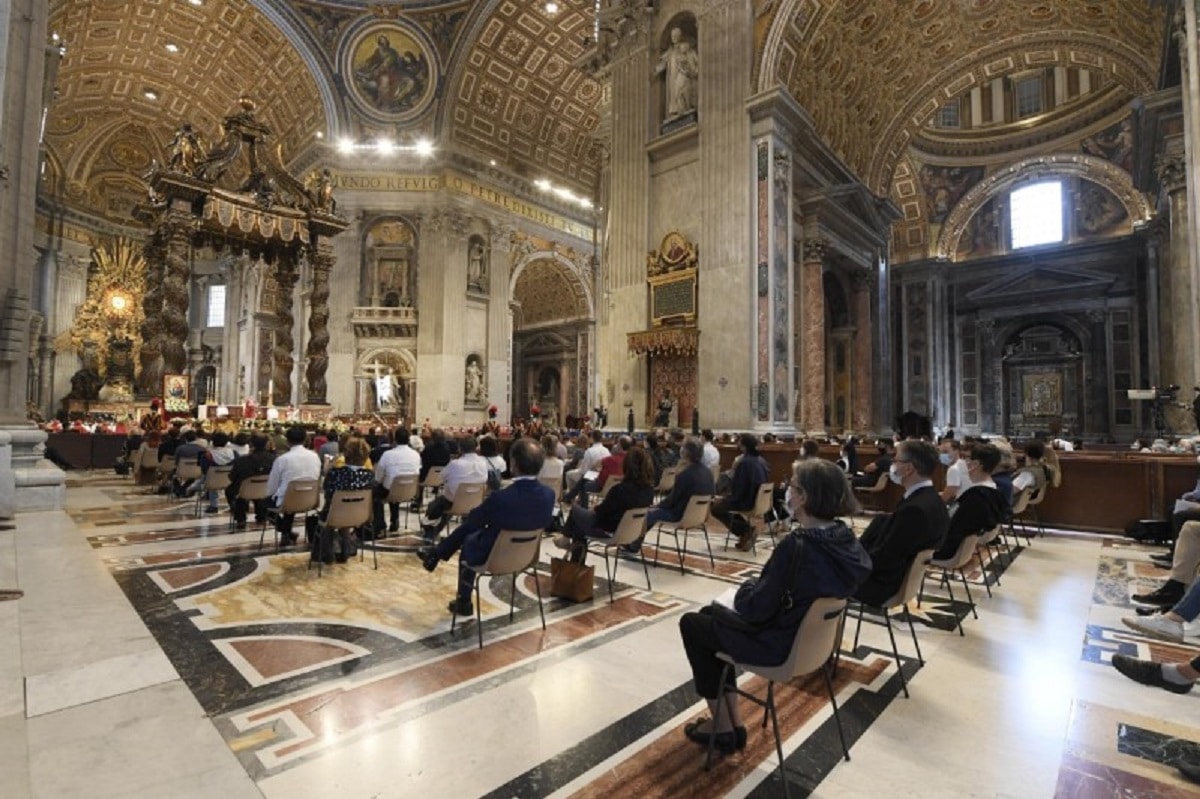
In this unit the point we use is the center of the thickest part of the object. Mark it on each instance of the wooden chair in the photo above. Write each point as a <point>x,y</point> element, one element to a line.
<point>348,510</point>
<point>812,649</point>
<point>630,529</point>
<point>695,516</point>
<point>908,591</point>
<point>515,552</point>
<point>302,497</point>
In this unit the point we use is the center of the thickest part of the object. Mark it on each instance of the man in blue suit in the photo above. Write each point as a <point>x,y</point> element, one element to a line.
<point>524,505</point>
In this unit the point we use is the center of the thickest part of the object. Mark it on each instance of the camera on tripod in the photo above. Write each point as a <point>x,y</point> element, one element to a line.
<point>1166,393</point>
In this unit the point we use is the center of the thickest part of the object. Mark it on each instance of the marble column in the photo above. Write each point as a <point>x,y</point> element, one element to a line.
<point>1178,356</point>
<point>282,357</point>
<point>176,232</point>
<point>499,351</point>
<point>724,389</point>
<point>27,482</point>
<point>812,316</point>
<point>1188,36</point>
<point>1153,316</point>
<point>322,260</point>
<point>860,387</point>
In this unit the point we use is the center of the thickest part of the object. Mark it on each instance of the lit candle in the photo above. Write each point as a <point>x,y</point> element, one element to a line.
<point>271,391</point>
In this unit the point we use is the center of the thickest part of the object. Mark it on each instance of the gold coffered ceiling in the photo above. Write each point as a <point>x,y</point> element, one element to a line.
<point>103,130</point>
<point>520,99</point>
<point>871,74</point>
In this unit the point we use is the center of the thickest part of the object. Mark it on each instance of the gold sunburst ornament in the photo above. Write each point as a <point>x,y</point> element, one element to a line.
<point>112,310</point>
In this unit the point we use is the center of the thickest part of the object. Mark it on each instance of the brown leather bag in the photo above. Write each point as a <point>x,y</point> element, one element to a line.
<point>571,580</point>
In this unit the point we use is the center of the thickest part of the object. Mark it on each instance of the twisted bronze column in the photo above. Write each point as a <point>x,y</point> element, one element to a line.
<point>281,358</point>
<point>317,351</point>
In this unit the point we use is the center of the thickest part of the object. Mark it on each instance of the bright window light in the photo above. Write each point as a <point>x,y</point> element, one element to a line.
<point>1037,214</point>
<point>216,306</point>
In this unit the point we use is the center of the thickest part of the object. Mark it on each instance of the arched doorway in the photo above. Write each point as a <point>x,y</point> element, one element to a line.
<point>385,384</point>
<point>552,339</point>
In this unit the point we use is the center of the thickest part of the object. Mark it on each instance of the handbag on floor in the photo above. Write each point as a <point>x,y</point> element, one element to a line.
<point>571,580</point>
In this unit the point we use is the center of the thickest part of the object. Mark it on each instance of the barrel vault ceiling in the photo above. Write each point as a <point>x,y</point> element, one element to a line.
<point>134,70</point>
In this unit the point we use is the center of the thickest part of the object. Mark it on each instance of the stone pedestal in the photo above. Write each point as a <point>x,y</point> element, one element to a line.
<point>38,484</point>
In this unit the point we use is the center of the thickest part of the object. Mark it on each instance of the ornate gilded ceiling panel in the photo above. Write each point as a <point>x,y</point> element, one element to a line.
<point>195,60</point>
<point>519,98</point>
<point>871,76</point>
<point>548,292</point>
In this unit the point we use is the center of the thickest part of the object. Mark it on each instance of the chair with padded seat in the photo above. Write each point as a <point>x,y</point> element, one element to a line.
<point>695,517</point>
<point>346,510</point>
<point>816,640</point>
<point>909,589</point>
<point>514,552</point>
<point>631,528</point>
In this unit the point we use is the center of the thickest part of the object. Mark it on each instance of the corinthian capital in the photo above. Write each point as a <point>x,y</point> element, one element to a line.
<point>814,250</point>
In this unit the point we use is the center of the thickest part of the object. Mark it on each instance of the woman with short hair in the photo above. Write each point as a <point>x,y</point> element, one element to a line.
<point>820,557</point>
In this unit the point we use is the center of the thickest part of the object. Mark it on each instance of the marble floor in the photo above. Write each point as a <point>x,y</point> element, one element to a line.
<point>157,655</point>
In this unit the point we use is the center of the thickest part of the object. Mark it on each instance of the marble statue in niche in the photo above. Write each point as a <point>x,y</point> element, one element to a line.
<point>476,264</point>
<point>475,387</point>
<point>681,63</point>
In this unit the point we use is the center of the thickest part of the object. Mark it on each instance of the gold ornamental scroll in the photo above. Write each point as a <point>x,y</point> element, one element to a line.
<point>682,341</point>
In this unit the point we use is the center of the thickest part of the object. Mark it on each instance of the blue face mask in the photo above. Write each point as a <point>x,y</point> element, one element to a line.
<point>945,458</point>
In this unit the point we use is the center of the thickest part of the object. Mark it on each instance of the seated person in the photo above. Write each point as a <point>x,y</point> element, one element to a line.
<point>589,461</point>
<point>220,454</point>
<point>468,467</point>
<point>298,463</point>
<point>1184,562</point>
<point>849,458</point>
<point>489,450</point>
<point>1168,625</point>
<point>526,504</point>
<point>257,462</point>
<point>712,455</point>
<point>353,476</point>
<point>399,461</point>
<point>694,479</point>
<point>1005,473</point>
<point>748,475</point>
<point>1032,477</point>
<point>435,453</point>
<point>552,465</point>
<point>636,490</point>
<point>610,466</point>
<point>980,506</point>
<point>950,454</point>
<point>919,522</point>
<point>1178,678</point>
<point>819,558</point>
<point>870,473</point>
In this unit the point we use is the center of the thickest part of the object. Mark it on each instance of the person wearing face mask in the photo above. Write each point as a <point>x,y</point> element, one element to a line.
<point>919,522</point>
<point>820,557</point>
<point>870,473</point>
<point>956,470</point>
<point>980,506</point>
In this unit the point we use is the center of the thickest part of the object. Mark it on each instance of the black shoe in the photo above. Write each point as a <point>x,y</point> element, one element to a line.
<point>429,532</point>
<point>1147,672</point>
<point>239,526</point>
<point>429,558</point>
<point>1163,557</point>
<point>1168,593</point>
<point>1190,771</point>
<point>288,539</point>
<point>724,741</point>
<point>394,527</point>
<point>460,607</point>
<point>340,559</point>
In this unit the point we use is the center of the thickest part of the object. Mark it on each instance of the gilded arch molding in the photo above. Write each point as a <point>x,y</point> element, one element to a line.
<point>550,269</point>
<point>1097,170</point>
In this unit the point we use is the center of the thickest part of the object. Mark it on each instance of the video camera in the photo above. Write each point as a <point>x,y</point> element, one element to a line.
<point>1166,393</point>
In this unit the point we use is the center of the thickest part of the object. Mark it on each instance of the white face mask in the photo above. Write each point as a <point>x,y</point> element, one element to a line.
<point>894,475</point>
